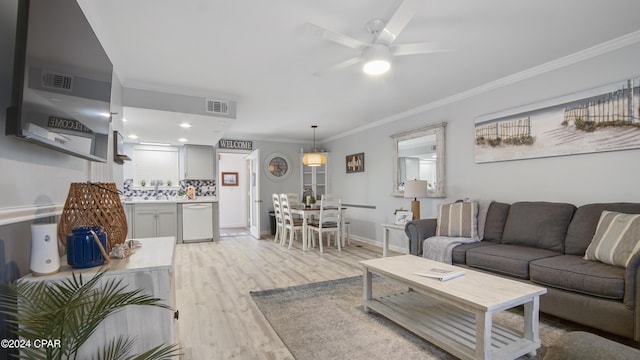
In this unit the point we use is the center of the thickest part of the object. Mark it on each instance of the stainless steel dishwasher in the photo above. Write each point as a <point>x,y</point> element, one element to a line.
<point>197,222</point>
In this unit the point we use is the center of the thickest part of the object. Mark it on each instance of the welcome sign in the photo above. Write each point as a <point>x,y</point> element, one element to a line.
<point>68,124</point>
<point>235,144</point>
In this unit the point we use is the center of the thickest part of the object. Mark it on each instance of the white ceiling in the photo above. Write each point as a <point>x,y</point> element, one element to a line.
<point>260,54</point>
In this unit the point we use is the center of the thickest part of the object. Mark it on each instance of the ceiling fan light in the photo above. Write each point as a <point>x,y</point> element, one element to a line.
<point>377,60</point>
<point>376,67</point>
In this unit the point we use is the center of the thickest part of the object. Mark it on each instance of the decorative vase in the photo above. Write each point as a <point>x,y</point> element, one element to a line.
<point>45,259</point>
<point>83,250</point>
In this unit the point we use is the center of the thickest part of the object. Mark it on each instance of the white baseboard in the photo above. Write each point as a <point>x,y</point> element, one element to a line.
<point>379,244</point>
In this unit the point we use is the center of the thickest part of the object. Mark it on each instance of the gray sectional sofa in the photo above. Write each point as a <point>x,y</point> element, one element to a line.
<point>544,243</point>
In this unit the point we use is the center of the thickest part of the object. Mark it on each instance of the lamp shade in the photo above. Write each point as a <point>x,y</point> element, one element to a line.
<point>314,159</point>
<point>415,189</point>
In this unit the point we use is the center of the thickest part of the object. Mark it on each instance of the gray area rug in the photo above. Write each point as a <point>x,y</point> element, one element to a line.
<point>326,320</point>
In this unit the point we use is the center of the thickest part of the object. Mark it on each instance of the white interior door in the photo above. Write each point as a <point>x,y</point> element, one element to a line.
<point>254,193</point>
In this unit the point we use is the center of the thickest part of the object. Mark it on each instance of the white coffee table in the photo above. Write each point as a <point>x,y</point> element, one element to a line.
<point>456,315</point>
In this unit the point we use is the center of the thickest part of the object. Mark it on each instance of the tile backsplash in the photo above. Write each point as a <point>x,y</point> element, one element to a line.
<point>203,188</point>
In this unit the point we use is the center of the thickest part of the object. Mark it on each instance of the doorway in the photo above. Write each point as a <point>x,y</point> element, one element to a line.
<point>233,197</point>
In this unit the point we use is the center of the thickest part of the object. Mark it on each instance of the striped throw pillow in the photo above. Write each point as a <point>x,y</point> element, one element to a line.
<point>616,240</point>
<point>458,220</point>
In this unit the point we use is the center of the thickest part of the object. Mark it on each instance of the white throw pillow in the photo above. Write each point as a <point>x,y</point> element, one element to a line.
<point>616,240</point>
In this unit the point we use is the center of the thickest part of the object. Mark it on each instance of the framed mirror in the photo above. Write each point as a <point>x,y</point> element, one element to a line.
<point>419,154</point>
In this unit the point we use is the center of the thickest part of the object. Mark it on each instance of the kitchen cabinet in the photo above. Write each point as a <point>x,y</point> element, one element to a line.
<point>155,220</point>
<point>315,178</point>
<point>150,268</point>
<point>199,162</point>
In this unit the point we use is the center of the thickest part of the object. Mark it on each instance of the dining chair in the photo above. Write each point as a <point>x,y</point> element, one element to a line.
<point>294,202</point>
<point>328,221</point>
<point>279,220</point>
<point>294,199</point>
<point>290,224</point>
<point>345,234</point>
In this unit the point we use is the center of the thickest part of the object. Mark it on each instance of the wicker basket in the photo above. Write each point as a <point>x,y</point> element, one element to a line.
<point>94,204</point>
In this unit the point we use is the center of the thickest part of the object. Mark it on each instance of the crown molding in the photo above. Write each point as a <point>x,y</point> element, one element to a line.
<point>583,55</point>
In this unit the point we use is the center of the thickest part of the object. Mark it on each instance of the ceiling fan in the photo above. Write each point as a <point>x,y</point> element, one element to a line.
<point>376,55</point>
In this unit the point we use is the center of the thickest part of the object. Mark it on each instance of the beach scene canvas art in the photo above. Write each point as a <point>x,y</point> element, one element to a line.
<point>601,119</point>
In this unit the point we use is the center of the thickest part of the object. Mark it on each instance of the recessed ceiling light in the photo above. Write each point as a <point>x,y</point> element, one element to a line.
<point>133,136</point>
<point>185,125</point>
<point>124,120</point>
<point>182,140</point>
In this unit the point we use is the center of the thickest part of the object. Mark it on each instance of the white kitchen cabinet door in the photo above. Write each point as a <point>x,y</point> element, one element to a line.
<point>155,220</point>
<point>167,221</point>
<point>198,162</point>
<point>145,222</point>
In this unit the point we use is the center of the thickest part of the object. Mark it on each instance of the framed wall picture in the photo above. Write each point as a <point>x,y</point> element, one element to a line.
<point>402,217</point>
<point>355,163</point>
<point>229,179</point>
<point>606,118</point>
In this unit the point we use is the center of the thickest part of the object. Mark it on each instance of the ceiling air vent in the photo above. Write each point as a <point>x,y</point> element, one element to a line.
<point>57,81</point>
<point>217,107</point>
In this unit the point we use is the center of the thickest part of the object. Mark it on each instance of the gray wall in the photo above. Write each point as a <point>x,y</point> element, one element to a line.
<point>578,179</point>
<point>267,186</point>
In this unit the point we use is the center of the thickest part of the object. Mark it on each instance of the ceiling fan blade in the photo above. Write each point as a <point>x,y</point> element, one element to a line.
<point>400,18</point>
<point>336,37</point>
<point>338,66</point>
<point>416,48</point>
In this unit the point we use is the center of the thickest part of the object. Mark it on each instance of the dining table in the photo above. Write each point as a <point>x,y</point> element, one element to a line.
<point>308,212</point>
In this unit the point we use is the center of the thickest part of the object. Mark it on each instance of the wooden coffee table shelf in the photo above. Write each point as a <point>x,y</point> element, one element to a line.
<point>456,315</point>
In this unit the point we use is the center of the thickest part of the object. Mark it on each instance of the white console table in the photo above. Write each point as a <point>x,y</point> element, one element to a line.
<point>386,228</point>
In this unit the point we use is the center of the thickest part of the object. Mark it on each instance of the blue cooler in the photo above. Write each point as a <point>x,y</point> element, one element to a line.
<point>82,250</point>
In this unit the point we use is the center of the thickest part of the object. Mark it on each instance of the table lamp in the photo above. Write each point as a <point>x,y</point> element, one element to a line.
<point>415,189</point>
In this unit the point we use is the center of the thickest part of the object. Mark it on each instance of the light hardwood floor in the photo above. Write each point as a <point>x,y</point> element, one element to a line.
<point>218,318</point>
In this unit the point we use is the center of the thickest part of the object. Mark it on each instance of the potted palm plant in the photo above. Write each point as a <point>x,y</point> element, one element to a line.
<point>67,313</point>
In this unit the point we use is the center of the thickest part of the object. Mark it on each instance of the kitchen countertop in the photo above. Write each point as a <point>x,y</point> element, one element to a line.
<point>175,200</point>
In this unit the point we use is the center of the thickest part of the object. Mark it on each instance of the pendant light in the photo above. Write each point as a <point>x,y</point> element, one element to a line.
<point>314,158</point>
